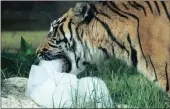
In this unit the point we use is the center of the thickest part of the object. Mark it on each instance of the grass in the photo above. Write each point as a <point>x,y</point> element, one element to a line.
<point>129,87</point>
<point>126,85</point>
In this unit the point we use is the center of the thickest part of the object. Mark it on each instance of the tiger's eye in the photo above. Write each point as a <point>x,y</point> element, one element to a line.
<point>59,47</point>
<point>53,40</point>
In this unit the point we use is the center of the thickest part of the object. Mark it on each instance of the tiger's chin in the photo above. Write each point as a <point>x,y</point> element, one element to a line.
<point>66,62</point>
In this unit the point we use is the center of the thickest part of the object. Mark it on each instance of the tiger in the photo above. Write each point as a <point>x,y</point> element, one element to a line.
<point>137,32</point>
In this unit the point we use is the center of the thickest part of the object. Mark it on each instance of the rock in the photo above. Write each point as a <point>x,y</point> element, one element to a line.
<point>13,94</point>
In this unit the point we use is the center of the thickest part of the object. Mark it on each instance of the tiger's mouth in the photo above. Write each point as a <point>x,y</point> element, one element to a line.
<point>66,67</point>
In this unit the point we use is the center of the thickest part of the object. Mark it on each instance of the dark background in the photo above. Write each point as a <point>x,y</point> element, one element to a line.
<point>31,15</point>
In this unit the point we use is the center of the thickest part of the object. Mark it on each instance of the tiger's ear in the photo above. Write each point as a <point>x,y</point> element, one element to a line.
<point>80,12</point>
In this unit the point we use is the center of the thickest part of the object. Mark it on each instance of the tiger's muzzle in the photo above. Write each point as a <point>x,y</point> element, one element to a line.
<point>49,55</point>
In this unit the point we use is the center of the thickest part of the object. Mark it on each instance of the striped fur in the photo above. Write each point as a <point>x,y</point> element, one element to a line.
<point>136,32</point>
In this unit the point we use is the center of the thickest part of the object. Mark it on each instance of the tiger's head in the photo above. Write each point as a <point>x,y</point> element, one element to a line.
<point>62,41</point>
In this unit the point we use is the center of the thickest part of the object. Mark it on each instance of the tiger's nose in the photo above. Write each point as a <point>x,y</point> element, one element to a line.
<point>41,51</point>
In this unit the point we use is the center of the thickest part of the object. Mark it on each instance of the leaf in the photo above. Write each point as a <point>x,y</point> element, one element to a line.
<point>29,52</point>
<point>9,56</point>
<point>24,46</point>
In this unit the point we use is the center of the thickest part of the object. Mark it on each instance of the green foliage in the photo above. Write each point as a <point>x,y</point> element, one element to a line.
<point>21,61</point>
<point>26,48</point>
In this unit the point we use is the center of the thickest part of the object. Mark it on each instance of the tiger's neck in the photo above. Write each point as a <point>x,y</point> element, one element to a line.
<point>114,29</point>
<point>106,35</point>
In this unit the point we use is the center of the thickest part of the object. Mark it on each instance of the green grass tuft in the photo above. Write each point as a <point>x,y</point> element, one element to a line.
<point>129,87</point>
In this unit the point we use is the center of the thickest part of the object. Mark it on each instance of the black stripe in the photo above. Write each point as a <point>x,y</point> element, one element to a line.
<point>134,6</point>
<point>125,6</point>
<point>106,27</point>
<point>74,46</point>
<point>156,78</point>
<point>121,15</point>
<point>64,40</point>
<point>104,51</point>
<point>82,33</point>
<point>50,34</point>
<point>104,14</point>
<point>63,20</point>
<point>53,33</point>
<point>52,45</point>
<point>71,32</point>
<point>165,8</point>
<point>138,5</point>
<point>62,31</point>
<point>113,51</point>
<point>166,71</point>
<point>85,63</point>
<point>114,5</point>
<point>93,8</point>
<point>91,12</point>
<point>157,7</point>
<point>135,17</point>
<point>77,60</point>
<point>150,7</point>
<point>133,52</point>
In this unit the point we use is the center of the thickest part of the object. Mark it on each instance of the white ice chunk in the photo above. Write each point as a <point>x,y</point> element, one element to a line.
<point>95,91</point>
<point>50,88</point>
